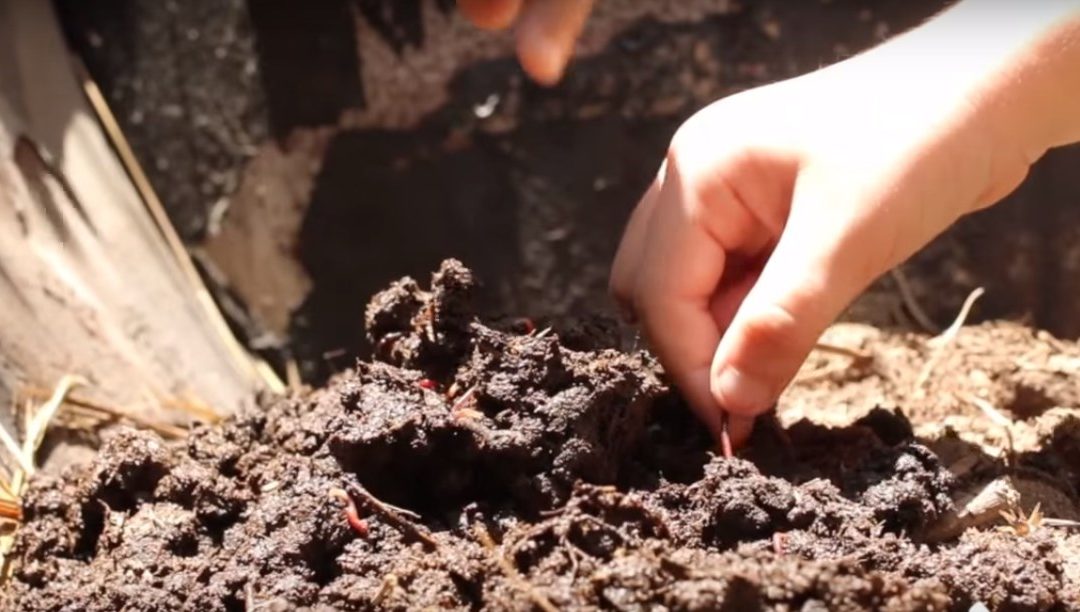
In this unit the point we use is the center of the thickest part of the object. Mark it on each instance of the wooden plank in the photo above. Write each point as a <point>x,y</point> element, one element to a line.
<point>89,281</point>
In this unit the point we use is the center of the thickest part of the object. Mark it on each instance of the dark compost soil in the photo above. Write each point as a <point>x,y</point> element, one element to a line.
<point>500,466</point>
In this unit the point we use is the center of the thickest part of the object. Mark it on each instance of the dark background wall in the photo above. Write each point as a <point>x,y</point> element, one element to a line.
<point>432,144</point>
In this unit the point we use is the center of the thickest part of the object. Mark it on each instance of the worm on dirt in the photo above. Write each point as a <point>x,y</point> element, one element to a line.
<point>358,524</point>
<point>725,435</point>
<point>406,520</point>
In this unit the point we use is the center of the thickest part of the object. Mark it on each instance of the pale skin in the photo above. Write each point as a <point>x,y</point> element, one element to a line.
<point>776,207</point>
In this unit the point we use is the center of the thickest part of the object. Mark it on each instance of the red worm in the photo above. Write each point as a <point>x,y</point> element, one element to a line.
<point>725,435</point>
<point>358,524</point>
<point>427,383</point>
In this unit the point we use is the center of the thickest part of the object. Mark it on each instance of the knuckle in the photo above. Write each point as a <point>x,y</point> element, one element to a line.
<point>693,139</point>
<point>683,168</point>
<point>773,329</point>
<point>683,141</point>
<point>697,209</point>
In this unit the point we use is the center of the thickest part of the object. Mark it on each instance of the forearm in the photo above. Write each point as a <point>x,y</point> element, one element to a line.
<point>1032,85</point>
<point>997,82</point>
<point>1017,64</point>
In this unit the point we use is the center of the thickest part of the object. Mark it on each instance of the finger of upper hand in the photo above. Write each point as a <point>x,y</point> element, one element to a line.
<point>490,14</point>
<point>547,32</point>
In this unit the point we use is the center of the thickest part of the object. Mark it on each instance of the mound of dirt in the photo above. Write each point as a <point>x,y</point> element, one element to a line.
<point>496,466</point>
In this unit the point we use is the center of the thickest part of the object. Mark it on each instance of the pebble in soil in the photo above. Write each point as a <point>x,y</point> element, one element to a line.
<point>525,473</point>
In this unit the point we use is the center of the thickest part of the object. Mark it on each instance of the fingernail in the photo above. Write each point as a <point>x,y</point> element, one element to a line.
<point>740,393</point>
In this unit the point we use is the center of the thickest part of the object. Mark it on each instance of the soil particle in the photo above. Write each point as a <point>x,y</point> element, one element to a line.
<point>495,467</point>
<point>974,570</point>
<point>418,329</point>
<point>691,579</point>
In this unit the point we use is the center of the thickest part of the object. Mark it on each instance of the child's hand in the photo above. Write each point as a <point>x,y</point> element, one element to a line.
<point>777,206</point>
<point>546,30</point>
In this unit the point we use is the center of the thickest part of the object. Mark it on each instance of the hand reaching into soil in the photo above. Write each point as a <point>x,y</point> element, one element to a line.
<point>545,30</point>
<point>777,206</point>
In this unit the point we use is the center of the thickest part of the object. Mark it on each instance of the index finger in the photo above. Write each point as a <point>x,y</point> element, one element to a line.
<point>679,272</point>
<point>490,14</point>
<point>546,35</point>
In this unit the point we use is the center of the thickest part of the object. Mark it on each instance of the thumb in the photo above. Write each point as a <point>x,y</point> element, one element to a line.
<point>812,275</point>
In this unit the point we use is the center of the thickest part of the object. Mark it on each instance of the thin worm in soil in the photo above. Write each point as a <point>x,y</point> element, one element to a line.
<point>358,524</point>
<point>725,435</point>
<point>398,516</point>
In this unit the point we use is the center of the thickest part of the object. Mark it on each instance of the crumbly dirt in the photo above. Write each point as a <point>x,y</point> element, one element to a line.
<point>499,466</point>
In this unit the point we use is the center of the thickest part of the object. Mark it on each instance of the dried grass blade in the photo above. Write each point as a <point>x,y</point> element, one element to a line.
<point>16,451</point>
<point>942,342</point>
<point>40,422</point>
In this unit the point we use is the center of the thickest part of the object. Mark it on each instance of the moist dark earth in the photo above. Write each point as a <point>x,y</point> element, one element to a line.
<point>501,465</point>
